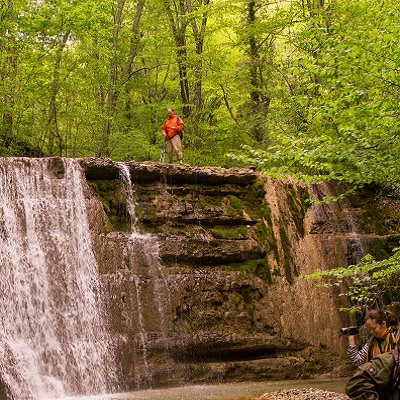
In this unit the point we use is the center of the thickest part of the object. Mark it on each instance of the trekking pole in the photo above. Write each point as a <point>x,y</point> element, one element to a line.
<point>163,151</point>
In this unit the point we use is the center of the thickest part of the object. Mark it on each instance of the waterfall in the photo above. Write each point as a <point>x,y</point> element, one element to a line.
<point>152,294</point>
<point>53,335</point>
<point>125,177</point>
<point>146,244</point>
<point>340,218</point>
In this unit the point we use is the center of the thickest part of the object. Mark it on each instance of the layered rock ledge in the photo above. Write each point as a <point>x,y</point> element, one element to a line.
<point>148,172</point>
<point>204,281</point>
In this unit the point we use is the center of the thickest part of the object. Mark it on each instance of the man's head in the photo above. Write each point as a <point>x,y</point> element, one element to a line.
<point>170,112</point>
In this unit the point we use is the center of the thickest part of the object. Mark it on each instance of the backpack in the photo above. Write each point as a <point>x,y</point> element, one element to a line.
<point>180,120</point>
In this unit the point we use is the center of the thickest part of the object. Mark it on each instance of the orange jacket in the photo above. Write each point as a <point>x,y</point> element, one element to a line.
<point>172,126</point>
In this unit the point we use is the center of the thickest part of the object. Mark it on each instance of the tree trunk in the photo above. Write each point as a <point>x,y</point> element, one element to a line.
<point>178,26</point>
<point>198,34</point>
<point>116,79</point>
<point>259,101</point>
<point>8,72</point>
<point>52,123</point>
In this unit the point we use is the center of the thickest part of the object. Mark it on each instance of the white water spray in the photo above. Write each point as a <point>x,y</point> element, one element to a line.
<point>53,338</point>
<point>142,252</point>
<point>152,250</point>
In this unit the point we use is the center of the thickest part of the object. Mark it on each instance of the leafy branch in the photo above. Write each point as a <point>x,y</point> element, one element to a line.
<point>364,284</point>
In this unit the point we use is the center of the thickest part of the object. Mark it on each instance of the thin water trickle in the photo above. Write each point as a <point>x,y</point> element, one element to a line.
<point>142,255</point>
<point>151,251</point>
<point>341,215</point>
<point>53,339</point>
<point>125,177</point>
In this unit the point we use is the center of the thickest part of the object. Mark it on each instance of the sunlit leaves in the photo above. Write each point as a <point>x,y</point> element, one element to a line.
<point>330,76</point>
<point>364,283</point>
<point>340,118</point>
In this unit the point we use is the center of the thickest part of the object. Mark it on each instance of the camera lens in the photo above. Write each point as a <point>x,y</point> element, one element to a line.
<point>349,331</point>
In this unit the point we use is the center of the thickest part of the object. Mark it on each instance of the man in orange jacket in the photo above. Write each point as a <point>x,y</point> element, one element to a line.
<point>172,130</point>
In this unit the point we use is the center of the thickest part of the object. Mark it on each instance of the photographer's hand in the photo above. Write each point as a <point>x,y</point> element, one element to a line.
<point>352,339</point>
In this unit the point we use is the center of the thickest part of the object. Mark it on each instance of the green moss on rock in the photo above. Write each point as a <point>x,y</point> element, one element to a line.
<point>235,207</point>
<point>112,195</point>
<point>379,210</point>
<point>288,259</point>
<point>258,268</point>
<point>298,201</point>
<point>229,232</point>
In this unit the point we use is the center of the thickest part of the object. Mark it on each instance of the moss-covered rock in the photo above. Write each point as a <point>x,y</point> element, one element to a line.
<point>113,197</point>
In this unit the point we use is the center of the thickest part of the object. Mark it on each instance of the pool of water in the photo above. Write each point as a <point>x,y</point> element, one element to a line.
<point>223,391</point>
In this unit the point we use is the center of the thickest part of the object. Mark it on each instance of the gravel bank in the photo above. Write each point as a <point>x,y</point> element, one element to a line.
<point>304,394</point>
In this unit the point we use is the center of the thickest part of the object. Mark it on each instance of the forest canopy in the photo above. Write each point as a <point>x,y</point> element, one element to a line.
<point>308,88</point>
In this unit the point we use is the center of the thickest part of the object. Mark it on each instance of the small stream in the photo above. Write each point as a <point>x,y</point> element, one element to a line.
<point>226,391</point>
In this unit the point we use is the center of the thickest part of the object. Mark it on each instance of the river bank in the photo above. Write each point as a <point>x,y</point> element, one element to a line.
<point>276,390</point>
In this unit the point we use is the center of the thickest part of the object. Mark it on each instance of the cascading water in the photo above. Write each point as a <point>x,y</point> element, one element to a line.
<point>53,334</point>
<point>125,177</point>
<point>151,288</point>
<point>339,217</point>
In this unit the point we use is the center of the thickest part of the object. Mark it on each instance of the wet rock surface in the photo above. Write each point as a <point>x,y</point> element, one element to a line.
<point>148,172</point>
<point>218,295</point>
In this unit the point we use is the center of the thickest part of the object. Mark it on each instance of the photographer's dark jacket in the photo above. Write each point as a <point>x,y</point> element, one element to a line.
<point>371,380</point>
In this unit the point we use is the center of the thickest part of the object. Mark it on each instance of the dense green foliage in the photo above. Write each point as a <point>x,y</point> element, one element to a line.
<point>368,284</point>
<point>337,115</point>
<point>309,89</point>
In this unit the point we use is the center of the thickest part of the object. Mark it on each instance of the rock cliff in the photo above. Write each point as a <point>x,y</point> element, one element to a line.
<point>203,281</point>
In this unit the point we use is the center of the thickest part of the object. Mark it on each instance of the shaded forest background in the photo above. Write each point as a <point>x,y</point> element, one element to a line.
<point>308,88</point>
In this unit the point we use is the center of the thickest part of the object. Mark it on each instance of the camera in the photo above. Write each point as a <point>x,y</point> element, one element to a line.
<point>349,331</point>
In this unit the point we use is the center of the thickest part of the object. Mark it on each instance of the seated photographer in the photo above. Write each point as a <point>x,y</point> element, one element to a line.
<point>383,326</point>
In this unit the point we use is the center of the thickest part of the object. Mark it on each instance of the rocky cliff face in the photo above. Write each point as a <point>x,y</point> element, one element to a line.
<point>210,289</point>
